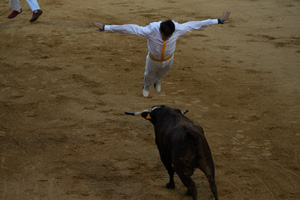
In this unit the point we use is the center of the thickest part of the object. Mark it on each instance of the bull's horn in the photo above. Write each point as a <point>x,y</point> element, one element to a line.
<point>184,112</point>
<point>136,113</point>
<point>155,107</point>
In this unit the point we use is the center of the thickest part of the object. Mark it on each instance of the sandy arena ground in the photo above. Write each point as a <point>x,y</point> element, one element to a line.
<point>64,88</point>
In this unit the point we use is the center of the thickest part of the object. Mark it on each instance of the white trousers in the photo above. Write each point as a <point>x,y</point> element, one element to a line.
<point>154,71</point>
<point>15,4</point>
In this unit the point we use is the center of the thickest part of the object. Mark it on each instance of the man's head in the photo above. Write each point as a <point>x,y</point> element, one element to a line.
<point>166,29</point>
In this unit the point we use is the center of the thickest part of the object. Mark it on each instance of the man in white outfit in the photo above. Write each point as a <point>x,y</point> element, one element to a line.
<point>161,41</point>
<point>36,10</point>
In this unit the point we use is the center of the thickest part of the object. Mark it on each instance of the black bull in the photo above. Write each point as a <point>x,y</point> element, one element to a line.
<point>182,147</point>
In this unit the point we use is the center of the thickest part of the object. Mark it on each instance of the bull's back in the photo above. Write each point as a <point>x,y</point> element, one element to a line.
<point>180,141</point>
<point>178,135</point>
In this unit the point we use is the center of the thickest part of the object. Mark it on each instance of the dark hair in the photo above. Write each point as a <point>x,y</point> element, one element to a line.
<point>167,27</point>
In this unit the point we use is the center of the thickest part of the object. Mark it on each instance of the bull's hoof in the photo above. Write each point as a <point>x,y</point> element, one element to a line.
<point>170,185</point>
<point>188,193</point>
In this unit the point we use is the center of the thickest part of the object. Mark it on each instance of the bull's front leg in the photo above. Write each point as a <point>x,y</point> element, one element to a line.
<point>168,165</point>
<point>171,184</point>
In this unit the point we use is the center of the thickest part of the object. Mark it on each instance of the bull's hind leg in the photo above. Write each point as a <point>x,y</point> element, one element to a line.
<point>212,184</point>
<point>210,175</point>
<point>189,183</point>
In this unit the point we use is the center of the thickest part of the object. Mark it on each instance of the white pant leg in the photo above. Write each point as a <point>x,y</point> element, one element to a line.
<point>150,76</point>
<point>15,4</point>
<point>33,4</point>
<point>163,70</point>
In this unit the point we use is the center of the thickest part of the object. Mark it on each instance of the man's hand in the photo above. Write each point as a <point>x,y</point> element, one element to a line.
<point>99,26</point>
<point>224,17</point>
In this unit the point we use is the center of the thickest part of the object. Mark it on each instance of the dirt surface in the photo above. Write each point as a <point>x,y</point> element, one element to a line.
<point>64,88</point>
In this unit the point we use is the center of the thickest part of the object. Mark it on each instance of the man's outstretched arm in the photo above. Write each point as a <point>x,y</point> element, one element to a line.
<point>127,29</point>
<point>197,25</point>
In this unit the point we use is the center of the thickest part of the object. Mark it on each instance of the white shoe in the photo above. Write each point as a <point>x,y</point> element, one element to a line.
<point>146,91</point>
<point>157,86</point>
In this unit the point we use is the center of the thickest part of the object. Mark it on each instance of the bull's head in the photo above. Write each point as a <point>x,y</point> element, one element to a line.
<point>150,114</point>
<point>146,113</point>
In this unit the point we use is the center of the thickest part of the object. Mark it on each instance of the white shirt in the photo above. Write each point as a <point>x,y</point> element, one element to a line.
<point>153,35</point>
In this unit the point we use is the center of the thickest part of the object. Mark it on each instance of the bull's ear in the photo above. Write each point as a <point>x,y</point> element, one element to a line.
<point>146,115</point>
